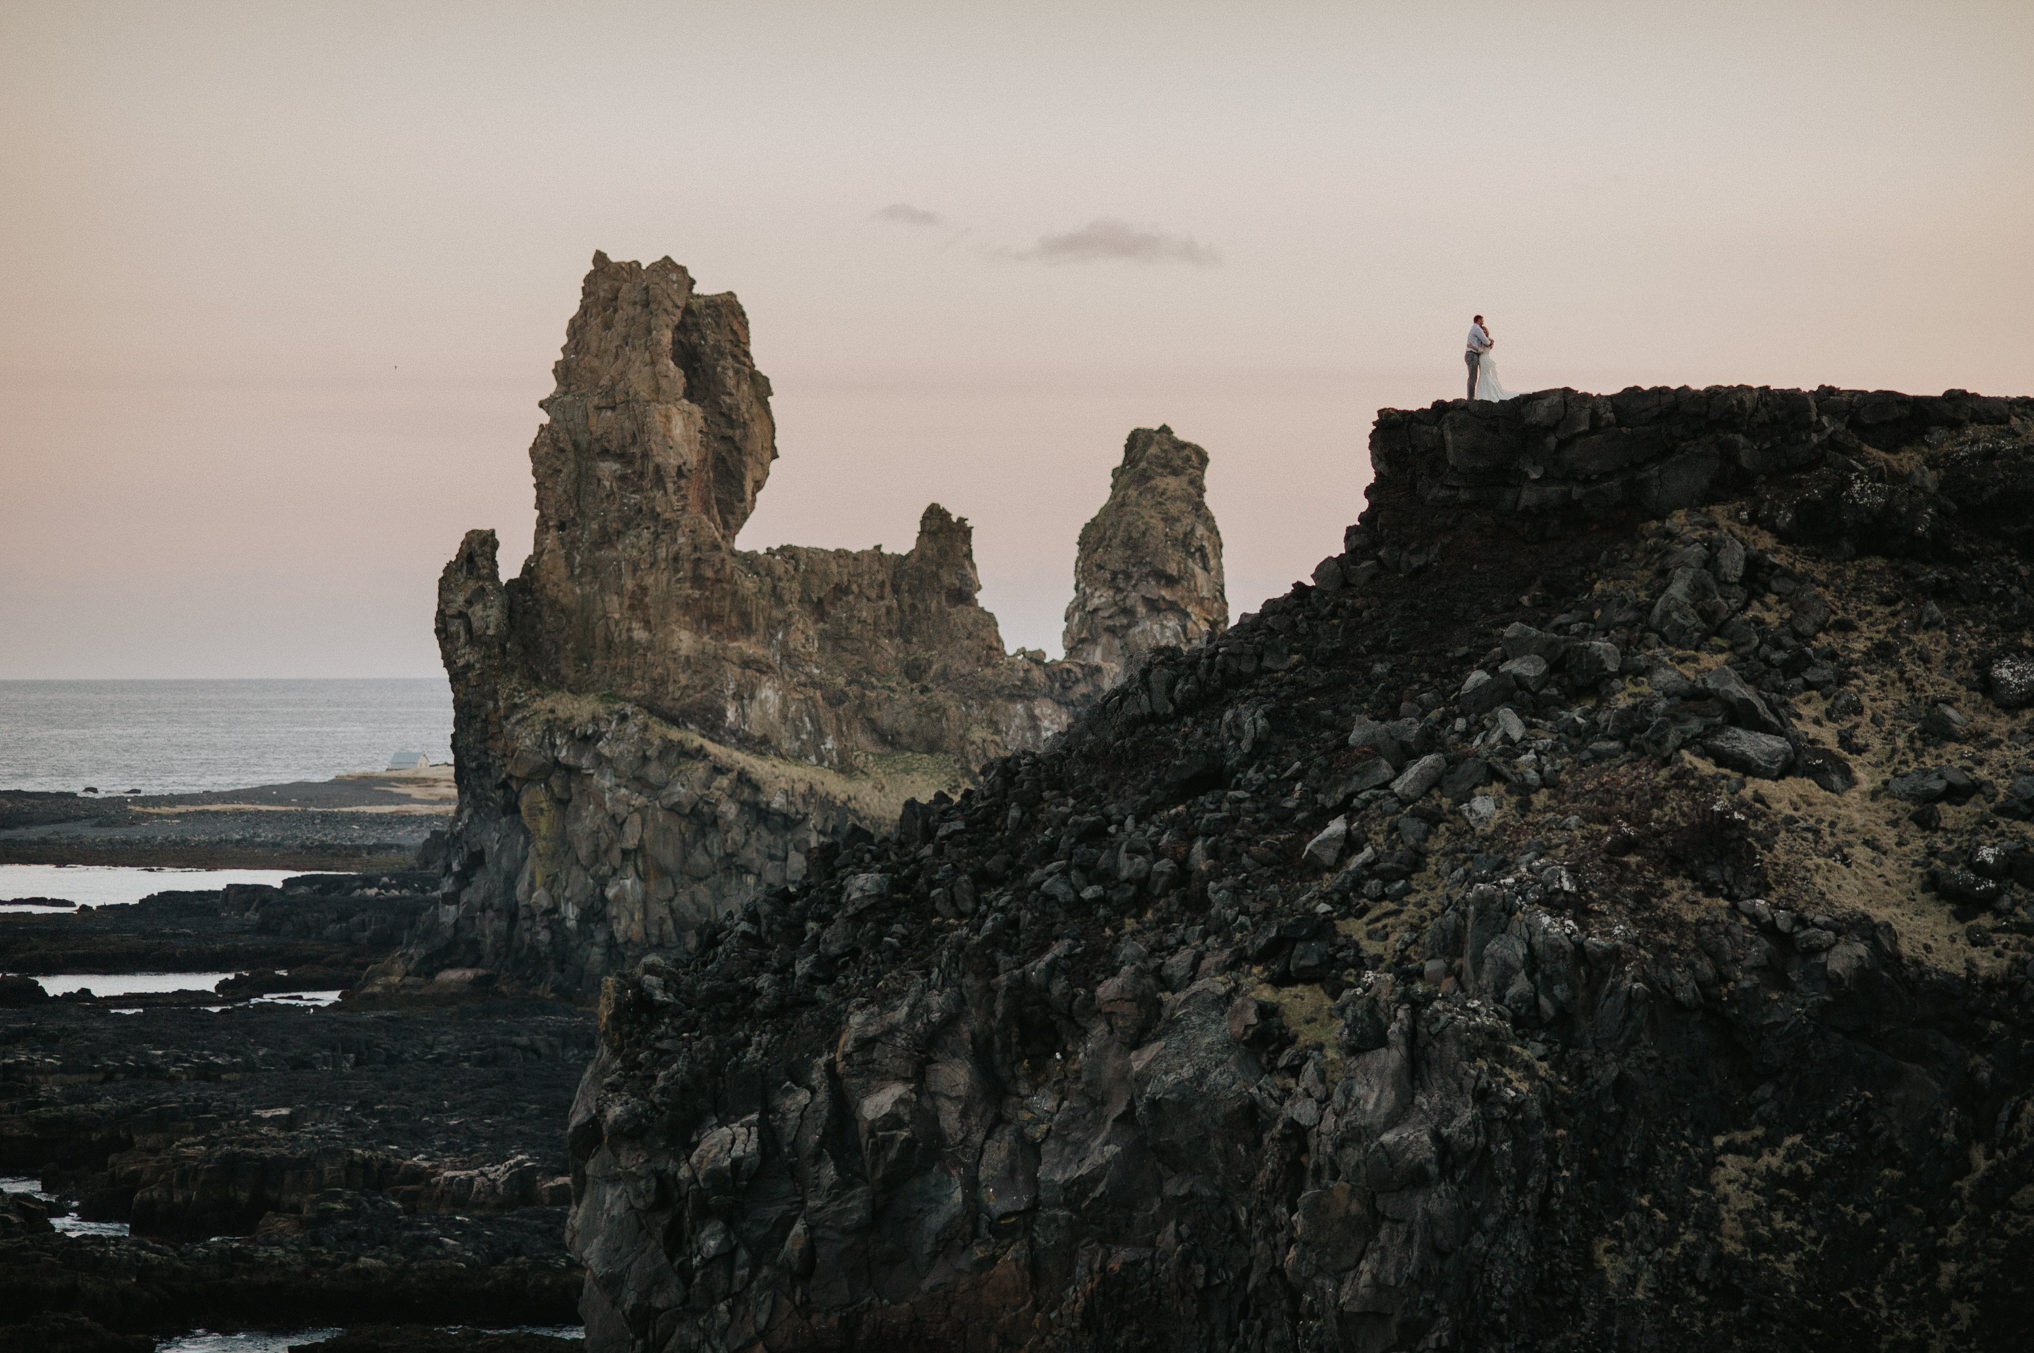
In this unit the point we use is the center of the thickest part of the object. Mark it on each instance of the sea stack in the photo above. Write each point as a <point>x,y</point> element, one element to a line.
<point>1149,571</point>
<point>654,728</point>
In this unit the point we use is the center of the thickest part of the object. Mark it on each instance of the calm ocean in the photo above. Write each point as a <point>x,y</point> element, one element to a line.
<point>168,737</point>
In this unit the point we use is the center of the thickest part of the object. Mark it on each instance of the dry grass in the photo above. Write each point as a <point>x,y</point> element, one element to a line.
<point>1304,1008</point>
<point>1814,843</point>
<point>874,787</point>
<point>1751,1185</point>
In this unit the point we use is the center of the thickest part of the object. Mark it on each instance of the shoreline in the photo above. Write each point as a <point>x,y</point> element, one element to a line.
<point>274,1165</point>
<point>366,822</point>
<point>202,856</point>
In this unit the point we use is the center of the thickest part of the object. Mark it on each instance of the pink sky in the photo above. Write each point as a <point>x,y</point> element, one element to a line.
<point>280,285</point>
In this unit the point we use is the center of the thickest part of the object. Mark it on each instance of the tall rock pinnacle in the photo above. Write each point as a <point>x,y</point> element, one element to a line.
<point>654,727</point>
<point>1149,572</point>
<point>659,439</point>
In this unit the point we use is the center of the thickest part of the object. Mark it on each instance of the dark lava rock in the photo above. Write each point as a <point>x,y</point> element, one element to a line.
<point>1992,860</point>
<point>1482,693</point>
<point>2012,682</point>
<point>23,1214</point>
<point>335,921</point>
<point>1825,767</point>
<point>430,1339</point>
<point>19,991</point>
<point>1689,609</point>
<point>1945,723</point>
<point>1747,710</point>
<point>1464,778</point>
<point>1592,661</point>
<point>1967,889</point>
<point>1742,750</point>
<point>1932,785</point>
<point>278,1166</point>
<point>1103,1113</point>
<point>68,1332</point>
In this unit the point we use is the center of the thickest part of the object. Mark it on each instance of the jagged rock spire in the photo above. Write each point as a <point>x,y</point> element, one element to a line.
<point>1149,571</point>
<point>659,439</point>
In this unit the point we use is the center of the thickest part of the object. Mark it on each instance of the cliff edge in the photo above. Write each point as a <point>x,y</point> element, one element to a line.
<point>1591,915</point>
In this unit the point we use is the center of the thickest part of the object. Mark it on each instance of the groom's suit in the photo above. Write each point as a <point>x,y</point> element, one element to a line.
<point>1479,343</point>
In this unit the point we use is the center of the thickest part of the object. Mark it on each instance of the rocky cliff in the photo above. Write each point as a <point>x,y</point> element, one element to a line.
<point>652,726</point>
<point>659,439</point>
<point>1589,916</point>
<point>1149,572</point>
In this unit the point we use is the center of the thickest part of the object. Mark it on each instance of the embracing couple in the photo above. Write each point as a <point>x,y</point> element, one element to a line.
<point>1482,369</point>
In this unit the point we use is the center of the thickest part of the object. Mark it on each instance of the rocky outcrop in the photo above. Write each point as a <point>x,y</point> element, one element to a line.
<point>652,726</point>
<point>1556,928</point>
<point>1149,573</point>
<point>1652,451</point>
<point>256,1165</point>
<point>658,442</point>
<point>357,1257</point>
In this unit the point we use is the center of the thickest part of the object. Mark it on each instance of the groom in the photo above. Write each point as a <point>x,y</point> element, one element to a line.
<point>1480,342</point>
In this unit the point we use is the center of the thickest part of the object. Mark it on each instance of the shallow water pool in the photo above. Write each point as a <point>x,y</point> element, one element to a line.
<point>93,885</point>
<point>130,983</point>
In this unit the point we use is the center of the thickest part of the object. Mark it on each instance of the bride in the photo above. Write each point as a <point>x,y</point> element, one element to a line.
<point>1483,382</point>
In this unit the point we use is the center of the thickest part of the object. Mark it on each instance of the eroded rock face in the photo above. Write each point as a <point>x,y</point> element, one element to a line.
<point>659,439</point>
<point>1410,966</point>
<point>653,726</point>
<point>1149,573</point>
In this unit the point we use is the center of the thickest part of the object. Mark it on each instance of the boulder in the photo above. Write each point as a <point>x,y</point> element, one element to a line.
<point>1528,671</point>
<point>1521,640</point>
<point>1689,610</point>
<point>1825,767</point>
<point>1481,692</point>
<point>1933,784</point>
<point>1368,732</point>
<point>2011,682</point>
<point>1747,709</point>
<point>1591,661</point>
<point>1421,776</point>
<point>1326,847</point>
<point>1749,753</point>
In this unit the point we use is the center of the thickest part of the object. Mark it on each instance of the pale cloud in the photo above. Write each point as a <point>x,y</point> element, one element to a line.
<point>1108,238</point>
<point>903,213</point>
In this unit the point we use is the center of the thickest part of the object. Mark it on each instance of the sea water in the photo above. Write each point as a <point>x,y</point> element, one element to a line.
<point>130,983</point>
<point>92,885</point>
<point>70,1223</point>
<point>263,1341</point>
<point>174,737</point>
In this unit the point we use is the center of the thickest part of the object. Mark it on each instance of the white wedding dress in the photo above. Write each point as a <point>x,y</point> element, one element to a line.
<point>1487,386</point>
